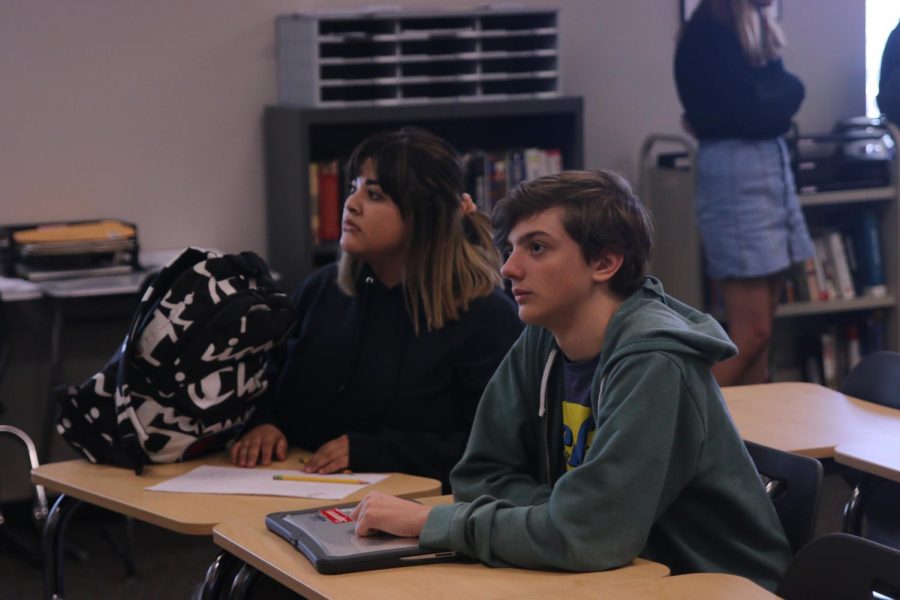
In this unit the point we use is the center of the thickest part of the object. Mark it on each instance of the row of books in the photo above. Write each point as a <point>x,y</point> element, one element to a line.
<point>830,355</point>
<point>489,176</point>
<point>847,263</point>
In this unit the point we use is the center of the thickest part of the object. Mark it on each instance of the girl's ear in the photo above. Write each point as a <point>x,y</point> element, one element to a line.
<point>607,266</point>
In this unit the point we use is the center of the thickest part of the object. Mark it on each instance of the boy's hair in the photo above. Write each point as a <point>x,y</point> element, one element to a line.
<point>601,214</point>
<point>451,259</point>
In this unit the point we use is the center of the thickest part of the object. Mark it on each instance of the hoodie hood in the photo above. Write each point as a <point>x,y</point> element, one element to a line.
<point>650,320</point>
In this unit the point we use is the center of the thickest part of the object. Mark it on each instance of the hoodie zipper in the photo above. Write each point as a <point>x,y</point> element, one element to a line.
<point>542,407</point>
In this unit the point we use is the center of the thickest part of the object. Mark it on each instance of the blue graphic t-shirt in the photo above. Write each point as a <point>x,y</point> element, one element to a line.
<point>578,420</point>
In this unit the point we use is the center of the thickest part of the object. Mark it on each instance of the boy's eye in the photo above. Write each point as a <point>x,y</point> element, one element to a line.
<point>536,247</point>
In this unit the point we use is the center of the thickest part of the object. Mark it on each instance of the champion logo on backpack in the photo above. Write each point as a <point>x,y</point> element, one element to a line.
<point>191,368</point>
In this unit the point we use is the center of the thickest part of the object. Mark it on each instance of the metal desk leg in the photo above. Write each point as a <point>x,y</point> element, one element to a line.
<point>54,545</point>
<point>218,576</point>
<point>243,581</point>
<point>53,378</point>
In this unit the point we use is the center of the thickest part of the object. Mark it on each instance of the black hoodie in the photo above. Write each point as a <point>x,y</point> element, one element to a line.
<point>354,365</point>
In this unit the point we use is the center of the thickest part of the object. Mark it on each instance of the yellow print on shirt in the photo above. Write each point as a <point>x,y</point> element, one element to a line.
<point>578,432</point>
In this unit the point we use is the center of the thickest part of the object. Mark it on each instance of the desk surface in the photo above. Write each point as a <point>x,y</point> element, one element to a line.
<point>805,418</point>
<point>247,538</point>
<point>696,586</point>
<point>122,491</point>
<point>876,455</point>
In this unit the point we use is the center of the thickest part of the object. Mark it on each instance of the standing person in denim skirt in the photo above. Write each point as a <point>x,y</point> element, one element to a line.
<point>738,101</point>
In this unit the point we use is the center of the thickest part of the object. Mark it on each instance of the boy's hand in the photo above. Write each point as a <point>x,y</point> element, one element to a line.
<point>381,512</point>
<point>258,446</point>
<point>331,457</point>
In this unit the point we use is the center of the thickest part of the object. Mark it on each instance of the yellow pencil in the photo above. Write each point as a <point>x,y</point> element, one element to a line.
<point>312,479</point>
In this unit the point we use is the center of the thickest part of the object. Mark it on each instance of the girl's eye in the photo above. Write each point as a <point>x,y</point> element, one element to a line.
<point>373,195</point>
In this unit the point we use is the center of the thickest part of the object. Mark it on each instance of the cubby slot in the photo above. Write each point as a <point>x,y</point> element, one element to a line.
<point>523,21</point>
<point>519,86</point>
<point>357,71</point>
<point>356,27</point>
<point>439,90</point>
<point>356,49</point>
<point>357,93</point>
<point>439,68</point>
<point>518,43</point>
<point>526,64</point>
<point>437,24</point>
<point>438,47</point>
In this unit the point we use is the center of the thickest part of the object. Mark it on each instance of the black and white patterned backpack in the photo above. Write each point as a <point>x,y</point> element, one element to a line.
<point>193,364</point>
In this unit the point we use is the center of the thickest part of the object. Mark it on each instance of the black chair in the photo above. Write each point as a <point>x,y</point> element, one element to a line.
<point>839,566</point>
<point>26,548</point>
<point>872,509</point>
<point>793,483</point>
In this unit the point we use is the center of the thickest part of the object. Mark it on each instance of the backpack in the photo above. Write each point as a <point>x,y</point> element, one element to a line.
<point>191,368</point>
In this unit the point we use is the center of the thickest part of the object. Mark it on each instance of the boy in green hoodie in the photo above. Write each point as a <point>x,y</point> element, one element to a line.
<point>603,435</point>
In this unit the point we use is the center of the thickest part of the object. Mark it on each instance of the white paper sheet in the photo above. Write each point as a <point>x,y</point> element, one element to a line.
<point>261,482</point>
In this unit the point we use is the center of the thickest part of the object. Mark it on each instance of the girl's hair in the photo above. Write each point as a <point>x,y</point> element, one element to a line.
<point>757,30</point>
<point>451,259</point>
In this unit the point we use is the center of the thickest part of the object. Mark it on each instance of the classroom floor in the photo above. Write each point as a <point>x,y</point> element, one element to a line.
<point>170,565</point>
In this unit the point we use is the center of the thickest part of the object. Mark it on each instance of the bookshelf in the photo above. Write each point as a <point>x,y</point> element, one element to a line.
<point>297,136</point>
<point>799,324</point>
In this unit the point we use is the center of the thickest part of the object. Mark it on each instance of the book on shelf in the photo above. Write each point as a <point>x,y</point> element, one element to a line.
<point>838,258</point>
<point>329,201</point>
<point>827,354</point>
<point>868,253</point>
<point>491,175</point>
<point>314,203</point>
<point>826,267</point>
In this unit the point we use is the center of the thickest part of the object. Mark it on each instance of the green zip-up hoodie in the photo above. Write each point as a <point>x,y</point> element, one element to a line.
<point>666,477</point>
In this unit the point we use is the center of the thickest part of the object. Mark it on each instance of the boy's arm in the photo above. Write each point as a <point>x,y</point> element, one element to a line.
<point>599,515</point>
<point>501,458</point>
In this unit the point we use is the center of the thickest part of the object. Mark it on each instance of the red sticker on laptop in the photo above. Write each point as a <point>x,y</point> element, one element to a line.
<point>335,515</point>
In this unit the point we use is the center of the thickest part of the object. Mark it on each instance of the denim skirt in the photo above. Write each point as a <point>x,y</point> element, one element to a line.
<point>750,220</point>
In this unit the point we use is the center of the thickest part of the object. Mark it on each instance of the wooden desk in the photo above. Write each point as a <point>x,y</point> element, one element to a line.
<point>875,455</point>
<point>805,418</point>
<point>696,586</point>
<point>120,490</point>
<point>248,539</point>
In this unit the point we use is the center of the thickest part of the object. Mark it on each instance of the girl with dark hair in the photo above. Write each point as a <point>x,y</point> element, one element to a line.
<point>397,341</point>
<point>739,100</point>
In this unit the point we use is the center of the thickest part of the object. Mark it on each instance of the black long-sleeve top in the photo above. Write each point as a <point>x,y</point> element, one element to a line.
<point>889,81</point>
<point>723,94</point>
<point>354,365</point>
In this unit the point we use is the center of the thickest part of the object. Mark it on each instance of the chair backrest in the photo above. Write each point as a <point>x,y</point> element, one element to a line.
<point>876,379</point>
<point>793,483</point>
<point>839,566</point>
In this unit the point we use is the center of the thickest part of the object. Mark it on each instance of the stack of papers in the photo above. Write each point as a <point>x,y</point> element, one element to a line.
<point>266,482</point>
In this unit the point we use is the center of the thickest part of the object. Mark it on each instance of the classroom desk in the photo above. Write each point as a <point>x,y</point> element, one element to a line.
<point>247,538</point>
<point>805,418</point>
<point>878,456</point>
<point>121,491</point>
<point>695,586</point>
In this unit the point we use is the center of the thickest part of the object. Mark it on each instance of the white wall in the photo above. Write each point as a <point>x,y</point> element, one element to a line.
<point>151,111</point>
